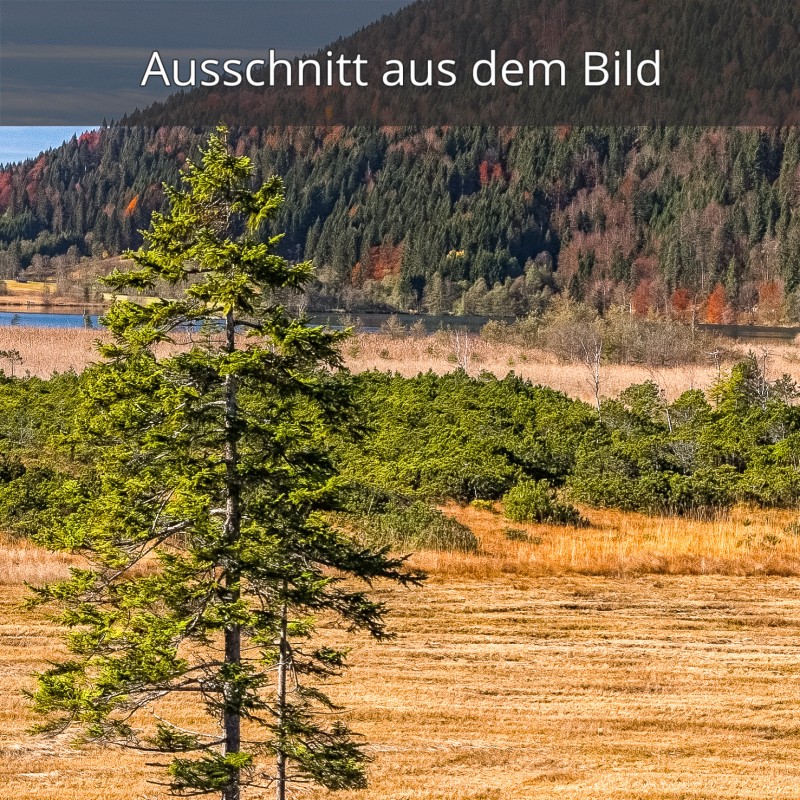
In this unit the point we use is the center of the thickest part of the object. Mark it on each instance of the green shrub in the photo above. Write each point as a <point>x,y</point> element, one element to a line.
<point>398,522</point>
<point>437,437</point>
<point>31,500</point>
<point>11,468</point>
<point>483,505</point>
<point>519,535</point>
<point>416,526</point>
<point>535,501</point>
<point>358,499</point>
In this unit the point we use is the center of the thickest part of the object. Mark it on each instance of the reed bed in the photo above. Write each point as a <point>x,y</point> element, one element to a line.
<point>411,355</point>
<point>48,350</point>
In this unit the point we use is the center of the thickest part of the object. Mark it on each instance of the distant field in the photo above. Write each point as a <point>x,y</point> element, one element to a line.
<point>26,287</point>
<point>502,685</point>
<point>37,295</point>
<point>47,350</point>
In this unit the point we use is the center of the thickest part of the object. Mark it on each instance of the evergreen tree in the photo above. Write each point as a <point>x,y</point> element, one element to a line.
<point>201,519</point>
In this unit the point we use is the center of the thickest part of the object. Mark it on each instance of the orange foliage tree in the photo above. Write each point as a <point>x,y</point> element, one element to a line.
<point>716,305</point>
<point>681,302</point>
<point>132,206</point>
<point>642,298</point>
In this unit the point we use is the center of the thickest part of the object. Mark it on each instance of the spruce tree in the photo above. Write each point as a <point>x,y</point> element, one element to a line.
<point>201,519</point>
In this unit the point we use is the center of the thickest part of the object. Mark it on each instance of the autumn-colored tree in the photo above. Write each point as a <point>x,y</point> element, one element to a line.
<point>681,302</point>
<point>384,260</point>
<point>489,171</point>
<point>716,305</point>
<point>642,298</point>
<point>131,207</point>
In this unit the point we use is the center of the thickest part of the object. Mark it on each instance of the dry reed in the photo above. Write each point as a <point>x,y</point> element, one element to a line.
<point>48,350</point>
<point>743,542</point>
<point>23,562</point>
<point>411,355</point>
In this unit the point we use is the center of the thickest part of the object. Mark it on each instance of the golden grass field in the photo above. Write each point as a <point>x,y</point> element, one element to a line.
<point>640,658</point>
<point>38,296</point>
<point>45,350</point>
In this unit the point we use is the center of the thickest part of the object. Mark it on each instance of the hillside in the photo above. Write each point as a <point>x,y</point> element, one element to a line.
<point>473,219</point>
<point>484,220</point>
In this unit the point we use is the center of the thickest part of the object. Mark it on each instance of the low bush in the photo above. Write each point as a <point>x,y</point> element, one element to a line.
<point>443,437</point>
<point>415,526</point>
<point>536,501</point>
<point>397,521</point>
<point>519,535</point>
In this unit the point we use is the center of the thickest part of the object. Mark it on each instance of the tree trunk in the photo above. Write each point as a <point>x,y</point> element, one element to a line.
<point>598,354</point>
<point>283,668</point>
<point>231,716</point>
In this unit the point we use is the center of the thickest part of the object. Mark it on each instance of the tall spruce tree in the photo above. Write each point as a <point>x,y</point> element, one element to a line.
<point>201,520</point>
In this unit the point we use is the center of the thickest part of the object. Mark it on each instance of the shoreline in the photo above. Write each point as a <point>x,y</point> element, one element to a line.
<point>52,308</point>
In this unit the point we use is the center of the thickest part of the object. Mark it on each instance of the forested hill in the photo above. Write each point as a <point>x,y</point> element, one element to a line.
<point>470,219</point>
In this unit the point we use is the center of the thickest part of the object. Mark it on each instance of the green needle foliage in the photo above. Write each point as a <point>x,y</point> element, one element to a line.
<point>202,518</point>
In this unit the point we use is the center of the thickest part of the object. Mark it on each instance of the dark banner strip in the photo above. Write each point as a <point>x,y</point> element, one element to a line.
<point>434,62</point>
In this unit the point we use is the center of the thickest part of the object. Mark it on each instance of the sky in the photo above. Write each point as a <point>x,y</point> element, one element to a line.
<point>19,143</point>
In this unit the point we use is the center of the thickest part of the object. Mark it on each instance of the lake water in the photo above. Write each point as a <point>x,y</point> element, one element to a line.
<point>370,323</point>
<point>47,319</point>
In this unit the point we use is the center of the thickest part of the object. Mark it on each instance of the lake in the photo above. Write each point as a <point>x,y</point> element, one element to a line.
<point>47,319</point>
<point>370,323</point>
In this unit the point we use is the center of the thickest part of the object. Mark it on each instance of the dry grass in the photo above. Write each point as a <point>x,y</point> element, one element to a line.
<point>409,356</point>
<point>45,351</point>
<point>515,688</point>
<point>744,542</point>
<point>585,688</point>
<point>48,350</point>
<point>22,562</point>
